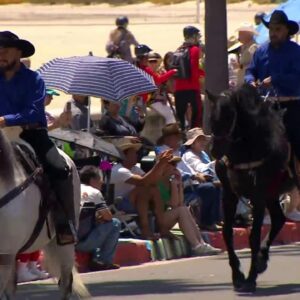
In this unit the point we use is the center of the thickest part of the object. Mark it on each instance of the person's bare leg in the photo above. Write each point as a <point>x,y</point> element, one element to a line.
<point>158,208</point>
<point>141,199</point>
<point>187,225</point>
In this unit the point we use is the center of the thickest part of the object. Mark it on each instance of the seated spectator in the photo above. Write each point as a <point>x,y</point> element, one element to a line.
<point>196,157</point>
<point>63,120</point>
<point>113,124</point>
<point>197,185</point>
<point>78,105</point>
<point>171,192</point>
<point>102,240</point>
<point>139,190</point>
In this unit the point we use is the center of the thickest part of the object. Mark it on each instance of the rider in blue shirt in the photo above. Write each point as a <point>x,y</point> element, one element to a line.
<point>22,104</point>
<point>276,67</point>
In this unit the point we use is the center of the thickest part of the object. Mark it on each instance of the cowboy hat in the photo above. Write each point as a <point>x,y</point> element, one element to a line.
<point>193,134</point>
<point>279,17</point>
<point>124,144</point>
<point>247,28</point>
<point>10,40</point>
<point>169,129</point>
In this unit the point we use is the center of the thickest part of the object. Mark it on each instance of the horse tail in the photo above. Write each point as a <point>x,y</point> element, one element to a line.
<point>59,263</point>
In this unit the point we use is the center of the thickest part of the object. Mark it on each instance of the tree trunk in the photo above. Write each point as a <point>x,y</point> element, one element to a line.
<point>216,59</point>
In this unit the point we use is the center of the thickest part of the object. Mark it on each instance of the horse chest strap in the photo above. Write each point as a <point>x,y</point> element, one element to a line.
<point>20,188</point>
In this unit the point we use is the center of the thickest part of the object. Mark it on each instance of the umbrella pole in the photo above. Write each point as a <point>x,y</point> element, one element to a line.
<point>89,115</point>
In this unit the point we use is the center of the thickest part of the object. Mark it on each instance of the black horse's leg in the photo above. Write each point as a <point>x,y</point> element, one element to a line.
<point>258,215</point>
<point>277,222</point>
<point>230,201</point>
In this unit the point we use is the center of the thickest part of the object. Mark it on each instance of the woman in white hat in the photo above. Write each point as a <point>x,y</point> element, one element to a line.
<point>209,191</point>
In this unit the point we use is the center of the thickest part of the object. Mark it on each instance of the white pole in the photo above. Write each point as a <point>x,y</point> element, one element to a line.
<point>89,115</point>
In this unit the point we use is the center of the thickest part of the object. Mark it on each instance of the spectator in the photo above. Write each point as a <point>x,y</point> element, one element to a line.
<point>78,106</point>
<point>103,238</point>
<point>199,161</point>
<point>142,52</point>
<point>171,192</point>
<point>160,99</point>
<point>63,120</point>
<point>245,52</point>
<point>258,18</point>
<point>197,185</point>
<point>187,90</point>
<point>120,40</point>
<point>113,124</point>
<point>139,190</point>
<point>28,268</point>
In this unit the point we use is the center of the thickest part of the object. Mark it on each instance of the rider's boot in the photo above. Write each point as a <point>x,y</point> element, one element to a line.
<point>64,214</point>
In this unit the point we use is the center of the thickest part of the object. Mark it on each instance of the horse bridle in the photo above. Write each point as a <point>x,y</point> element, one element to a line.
<point>228,135</point>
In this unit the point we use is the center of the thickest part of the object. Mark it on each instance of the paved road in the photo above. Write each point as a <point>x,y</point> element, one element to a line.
<point>205,278</point>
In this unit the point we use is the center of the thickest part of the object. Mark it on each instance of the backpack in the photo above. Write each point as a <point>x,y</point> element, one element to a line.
<point>182,62</point>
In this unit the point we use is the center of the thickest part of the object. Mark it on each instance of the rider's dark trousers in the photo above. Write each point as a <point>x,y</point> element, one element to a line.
<point>54,164</point>
<point>291,121</point>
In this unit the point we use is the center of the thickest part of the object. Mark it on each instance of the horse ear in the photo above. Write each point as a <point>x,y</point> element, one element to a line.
<point>211,97</point>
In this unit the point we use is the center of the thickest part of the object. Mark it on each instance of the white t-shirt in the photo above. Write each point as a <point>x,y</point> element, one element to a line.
<point>119,175</point>
<point>90,194</point>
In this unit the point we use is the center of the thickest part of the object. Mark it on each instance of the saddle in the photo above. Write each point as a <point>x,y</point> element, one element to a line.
<point>26,156</point>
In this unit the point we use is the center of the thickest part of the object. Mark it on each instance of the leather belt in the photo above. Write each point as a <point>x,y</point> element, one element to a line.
<point>32,126</point>
<point>283,99</point>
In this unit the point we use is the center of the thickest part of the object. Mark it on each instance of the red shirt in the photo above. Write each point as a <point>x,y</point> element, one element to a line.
<point>158,79</point>
<point>192,83</point>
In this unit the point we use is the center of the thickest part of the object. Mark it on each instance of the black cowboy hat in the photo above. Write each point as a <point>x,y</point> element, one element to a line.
<point>10,40</point>
<point>279,17</point>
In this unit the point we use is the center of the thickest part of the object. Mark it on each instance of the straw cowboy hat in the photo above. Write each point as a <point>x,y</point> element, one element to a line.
<point>279,17</point>
<point>247,27</point>
<point>193,134</point>
<point>169,129</point>
<point>124,144</point>
<point>10,40</point>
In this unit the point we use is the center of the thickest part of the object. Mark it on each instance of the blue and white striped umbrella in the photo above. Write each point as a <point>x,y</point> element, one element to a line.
<point>107,78</point>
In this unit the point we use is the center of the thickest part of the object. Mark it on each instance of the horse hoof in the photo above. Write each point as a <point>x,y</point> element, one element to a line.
<point>239,282</point>
<point>247,287</point>
<point>261,265</point>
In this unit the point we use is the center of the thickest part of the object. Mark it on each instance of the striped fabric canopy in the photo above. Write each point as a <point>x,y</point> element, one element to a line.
<point>107,78</point>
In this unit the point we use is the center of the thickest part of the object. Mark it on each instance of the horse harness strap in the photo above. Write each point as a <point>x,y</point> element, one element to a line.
<point>20,188</point>
<point>243,166</point>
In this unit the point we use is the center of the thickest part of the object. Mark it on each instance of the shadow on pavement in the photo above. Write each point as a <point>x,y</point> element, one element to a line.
<point>277,290</point>
<point>122,288</point>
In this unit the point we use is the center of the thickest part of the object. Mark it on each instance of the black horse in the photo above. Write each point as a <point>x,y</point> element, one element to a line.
<point>248,141</point>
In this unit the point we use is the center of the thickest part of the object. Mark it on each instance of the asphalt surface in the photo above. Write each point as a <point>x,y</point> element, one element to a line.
<point>186,279</point>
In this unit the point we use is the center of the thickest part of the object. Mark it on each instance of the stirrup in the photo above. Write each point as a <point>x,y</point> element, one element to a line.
<point>66,234</point>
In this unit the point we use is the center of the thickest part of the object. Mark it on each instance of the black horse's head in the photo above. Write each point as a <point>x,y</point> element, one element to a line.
<point>226,110</point>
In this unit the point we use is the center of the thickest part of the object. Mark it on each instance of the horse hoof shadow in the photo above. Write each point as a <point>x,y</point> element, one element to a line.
<point>247,287</point>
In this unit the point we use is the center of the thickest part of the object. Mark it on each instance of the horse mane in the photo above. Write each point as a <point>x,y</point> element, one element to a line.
<point>261,115</point>
<point>10,170</point>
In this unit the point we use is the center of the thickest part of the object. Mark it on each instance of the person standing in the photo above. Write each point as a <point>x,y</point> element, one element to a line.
<point>275,68</point>
<point>22,104</point>
<point>187,90</point>
<point>120,40</point>
<point>248,46</point>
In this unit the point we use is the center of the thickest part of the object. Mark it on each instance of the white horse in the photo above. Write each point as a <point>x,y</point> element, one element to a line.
<point>17,221</point>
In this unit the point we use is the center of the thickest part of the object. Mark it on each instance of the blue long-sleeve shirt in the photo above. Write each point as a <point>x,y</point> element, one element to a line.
<point>22,98</point>
<point>282,64</point>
